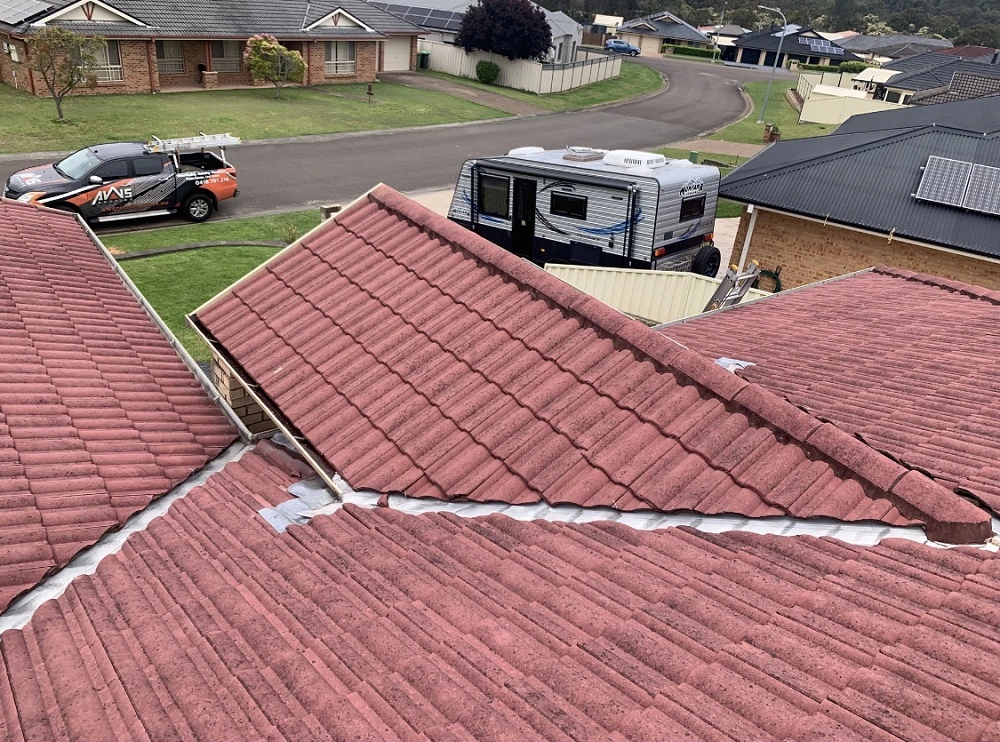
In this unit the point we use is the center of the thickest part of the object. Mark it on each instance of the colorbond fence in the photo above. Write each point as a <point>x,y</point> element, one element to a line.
<point>590,66</point>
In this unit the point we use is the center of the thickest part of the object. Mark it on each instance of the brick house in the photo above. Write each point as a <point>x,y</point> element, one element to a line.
<point>158,46</point>
<point>909,188</point>
<point>795,43</point>
<point>653,31</point>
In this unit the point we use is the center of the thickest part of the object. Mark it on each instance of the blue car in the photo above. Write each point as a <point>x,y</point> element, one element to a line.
<point>617,46</point>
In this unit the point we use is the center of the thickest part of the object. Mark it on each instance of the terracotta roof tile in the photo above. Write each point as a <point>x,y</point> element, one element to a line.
<point>904,361</point>
<point>375,624</point>
<point>414,356</point>
<point>87,387</point>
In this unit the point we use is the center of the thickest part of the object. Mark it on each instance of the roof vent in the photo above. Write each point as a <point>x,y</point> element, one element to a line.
<point>525,151</point>
<point>583,154</point>
<point>633,158</point>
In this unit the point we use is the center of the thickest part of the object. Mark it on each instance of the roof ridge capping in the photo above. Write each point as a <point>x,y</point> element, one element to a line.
<point>967,289</point>
<point>946,516</point>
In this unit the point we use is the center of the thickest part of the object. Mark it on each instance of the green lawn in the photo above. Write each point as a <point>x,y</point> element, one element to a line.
<point>27,122</point>
<point>635,80</point>
<point>726,209</point>
<point>286,227</point>
<point>179,283</point>
<point>779,111</point>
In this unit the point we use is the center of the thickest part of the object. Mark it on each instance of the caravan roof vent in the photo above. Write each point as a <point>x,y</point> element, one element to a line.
<point>525,151</point>
<point>584,154</point>
<point>633,158</point>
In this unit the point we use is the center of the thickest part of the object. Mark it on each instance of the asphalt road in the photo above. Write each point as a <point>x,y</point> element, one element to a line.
<point>300,173</point>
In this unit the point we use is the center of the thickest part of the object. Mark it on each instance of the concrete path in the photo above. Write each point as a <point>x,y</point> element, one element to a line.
<point>466,92</point>
<point>713,146</point>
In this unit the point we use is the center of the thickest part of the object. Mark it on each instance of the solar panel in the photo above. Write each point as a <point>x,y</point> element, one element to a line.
<point>835,51</point>
<point>440,15</point>
<point>983,193</point>
<point>398,8</point>
<point>944,181</point>
<point>15,11</point>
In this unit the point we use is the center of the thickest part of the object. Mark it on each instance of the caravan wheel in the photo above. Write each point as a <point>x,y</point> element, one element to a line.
<point>707,261</point>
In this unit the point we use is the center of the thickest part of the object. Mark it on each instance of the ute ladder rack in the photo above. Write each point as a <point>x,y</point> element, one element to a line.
<point>192,144</point>
<point>734,287</point>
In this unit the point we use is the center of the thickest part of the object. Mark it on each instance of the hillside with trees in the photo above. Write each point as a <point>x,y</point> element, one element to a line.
<point>962,21</point>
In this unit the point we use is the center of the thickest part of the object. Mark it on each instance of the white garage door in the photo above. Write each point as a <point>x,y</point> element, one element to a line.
<point>397,54</point>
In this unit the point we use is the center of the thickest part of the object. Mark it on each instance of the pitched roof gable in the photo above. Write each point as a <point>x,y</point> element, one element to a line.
<point>908,362</point>
<point>413,356</point>
<point>371,624</point>
<point>98,414</point>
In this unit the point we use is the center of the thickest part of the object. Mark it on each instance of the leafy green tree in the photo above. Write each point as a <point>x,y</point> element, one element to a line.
<point>270,61</point>
<point>981,34</point>
<point>65,60</point>
<point>515,29</point>
<point>844,14</point>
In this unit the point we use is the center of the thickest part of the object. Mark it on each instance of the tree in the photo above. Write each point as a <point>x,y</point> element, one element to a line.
<point>844,14</point>
<point>981,34</point>
<point>65,59</point>
<point>270,61</point>
<point>515,29</point>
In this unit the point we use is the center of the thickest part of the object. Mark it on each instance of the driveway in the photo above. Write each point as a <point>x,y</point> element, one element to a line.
<point>299,173</point>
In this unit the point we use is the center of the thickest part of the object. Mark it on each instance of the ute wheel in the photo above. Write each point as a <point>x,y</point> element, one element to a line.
<point>707,261</point>
<point>197,207</point>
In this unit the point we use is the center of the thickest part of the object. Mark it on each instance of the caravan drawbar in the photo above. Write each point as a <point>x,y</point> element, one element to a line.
<point>619,208</point>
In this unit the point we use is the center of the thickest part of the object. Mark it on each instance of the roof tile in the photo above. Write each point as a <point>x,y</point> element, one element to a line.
<point>67,316</point>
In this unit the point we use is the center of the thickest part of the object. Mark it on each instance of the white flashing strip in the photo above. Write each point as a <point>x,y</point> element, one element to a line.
<point>20,611</point>
<point>859,534</point>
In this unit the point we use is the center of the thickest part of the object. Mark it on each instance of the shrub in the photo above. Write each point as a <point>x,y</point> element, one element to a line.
<point>818,68</point>
<point>852,67</point>
<point>516,29</point>
<point>487,72</point>
<point>690,51</point>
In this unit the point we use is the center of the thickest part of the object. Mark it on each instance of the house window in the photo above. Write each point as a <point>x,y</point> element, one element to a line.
<point>563,204</point>
<point>340,58</point>
<point>692,208</point>
<point>494,196</point>
<point>170,57</point>
<point>109,63</point>
<point>226,56</point>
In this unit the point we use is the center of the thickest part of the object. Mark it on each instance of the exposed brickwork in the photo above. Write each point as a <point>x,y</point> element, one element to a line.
<point>13,73</point>
<point>194,54</point>
<point>243,405</point>
<point>809,251</point>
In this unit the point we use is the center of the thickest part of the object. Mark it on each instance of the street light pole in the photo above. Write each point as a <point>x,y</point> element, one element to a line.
<point>777,58</point>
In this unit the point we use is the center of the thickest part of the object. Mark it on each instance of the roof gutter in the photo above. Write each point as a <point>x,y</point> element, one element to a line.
<point>206,383</point>
<point>888,237</point>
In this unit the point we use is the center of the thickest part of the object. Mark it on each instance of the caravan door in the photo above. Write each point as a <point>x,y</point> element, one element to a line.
<point>522,223</point>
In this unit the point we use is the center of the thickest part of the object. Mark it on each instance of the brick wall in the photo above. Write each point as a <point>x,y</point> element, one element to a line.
<point>194,54</point>
<point>809,251</point>
<point>8,67</point>
<point>243,405</point>
<point>366,56</point>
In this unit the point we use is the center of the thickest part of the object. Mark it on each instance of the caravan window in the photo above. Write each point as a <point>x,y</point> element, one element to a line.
<point>692,208</point>
<point>494,196</point>
<point>563,204</point>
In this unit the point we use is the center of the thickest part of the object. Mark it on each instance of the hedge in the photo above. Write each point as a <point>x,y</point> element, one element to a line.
<point>819,68</point>
<point>690,51</point>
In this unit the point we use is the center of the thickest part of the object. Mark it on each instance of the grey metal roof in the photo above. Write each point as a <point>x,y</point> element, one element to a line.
<point>867,179</point>
<point>941,75</point>
<point>664,25</point>
<point>979,115</point>
<point>237,18</point>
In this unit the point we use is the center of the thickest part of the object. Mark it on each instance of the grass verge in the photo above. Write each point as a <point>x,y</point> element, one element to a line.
<point>28,125</point>
<point>288,227</point>
<point>179,283</point>
<point>779,111</point>
<point>635,80</point>
<point>726,209</point>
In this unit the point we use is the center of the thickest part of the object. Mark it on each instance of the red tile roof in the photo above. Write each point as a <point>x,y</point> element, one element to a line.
<point>379,625</point>
<point>98,415</point>
<point>906,361</point>
<point>415,356</point>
